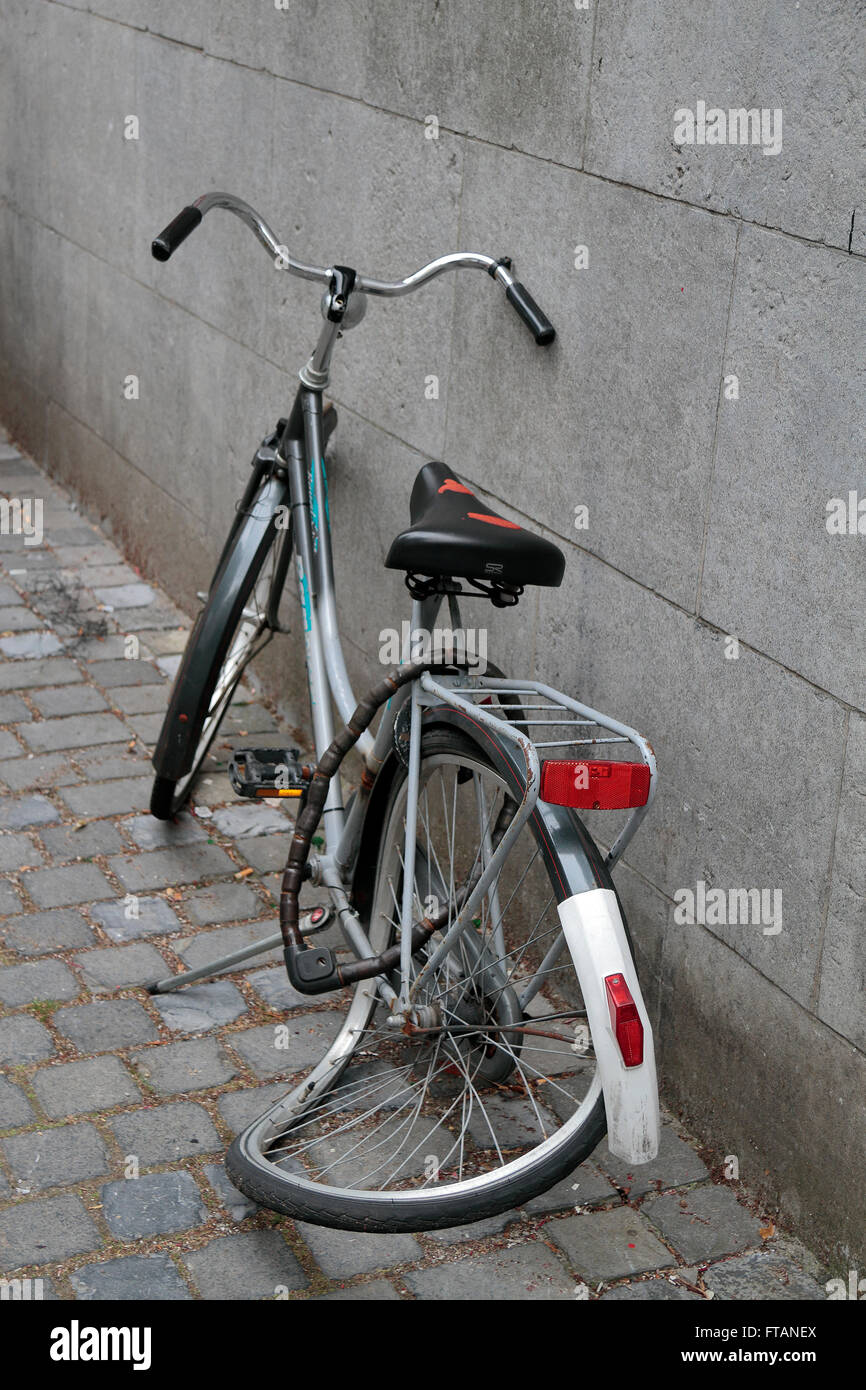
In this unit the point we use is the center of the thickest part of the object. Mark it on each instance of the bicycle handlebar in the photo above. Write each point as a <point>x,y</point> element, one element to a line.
<point>165,245</point>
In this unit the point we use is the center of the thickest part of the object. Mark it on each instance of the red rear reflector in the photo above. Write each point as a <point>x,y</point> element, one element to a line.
<point>594,786</point>
<point>624,1020</point>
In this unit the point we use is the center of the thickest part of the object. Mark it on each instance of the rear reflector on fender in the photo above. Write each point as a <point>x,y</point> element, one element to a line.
<point>624,1020</point>
<point>594,786</point>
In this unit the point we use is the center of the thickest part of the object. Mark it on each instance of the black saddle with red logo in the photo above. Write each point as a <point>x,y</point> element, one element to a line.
<point>453,533</point>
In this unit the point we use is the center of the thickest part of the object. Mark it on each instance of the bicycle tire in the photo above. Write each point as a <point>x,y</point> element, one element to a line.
<point>192,719</point>
<point>294,1195</point>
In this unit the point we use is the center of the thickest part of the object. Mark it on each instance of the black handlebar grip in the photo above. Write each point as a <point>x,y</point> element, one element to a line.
<point>177,231</point>
<point>535,319</point>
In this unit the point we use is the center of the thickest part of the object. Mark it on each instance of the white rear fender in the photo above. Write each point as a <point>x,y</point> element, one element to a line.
<point>597,941</point>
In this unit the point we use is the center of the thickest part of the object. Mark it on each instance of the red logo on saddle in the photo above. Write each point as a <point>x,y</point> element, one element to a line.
<point>452,485</point>
<point>493,520</point>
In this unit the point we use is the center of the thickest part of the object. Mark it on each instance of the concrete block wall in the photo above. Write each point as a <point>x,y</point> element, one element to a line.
<point>707,508</point>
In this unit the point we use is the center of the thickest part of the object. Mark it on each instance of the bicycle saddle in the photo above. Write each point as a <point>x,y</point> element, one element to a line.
<point>454,533</point>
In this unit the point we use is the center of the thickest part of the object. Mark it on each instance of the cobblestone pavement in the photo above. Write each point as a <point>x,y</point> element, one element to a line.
<point>98,899</point>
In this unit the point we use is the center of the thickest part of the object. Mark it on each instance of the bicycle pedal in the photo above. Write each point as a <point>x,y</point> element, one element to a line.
<point>264,772</point>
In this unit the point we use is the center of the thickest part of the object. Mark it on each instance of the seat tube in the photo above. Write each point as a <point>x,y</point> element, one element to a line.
<point>412,790</point>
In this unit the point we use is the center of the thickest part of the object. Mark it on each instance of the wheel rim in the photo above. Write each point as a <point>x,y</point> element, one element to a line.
<point>484,1094</point>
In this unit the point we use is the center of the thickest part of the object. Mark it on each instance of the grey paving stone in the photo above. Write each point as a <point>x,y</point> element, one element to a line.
<point>99,765</point>
<point>18,851</point>
<point>273,985</point>
<point>77,731</point>
<point>268,854</point>
<point>105,1025</point>
<point>107,575</point>
<point>149,833</point>
<point>197,1008</point>
<point>153,1205</point>
<point>237,822</point>
<point>166,1132</point>
<point>44,979</point>
<point>147,726</point>
<point>650,1290</point>
<point>68,699</point>
<point>138,1278</point>
<point>22,1039</point>
<point>340,1254</point>
<point>15,1108</point>
<point>676,1164</point>
<point>123,672</point>
<point>145,620</point>
<point>162,867</point>
<point>240,1108</point>
<point>526,1272</point>
<point>256,1264</point>
<point>141,699</point>
<point>79,1088</point>
<point>115,967</point>
<point>13,708</point>
<point>224,902</point>
<point>38,773</point>
<point>375,1290</point>
<point>185,1066</point>
<point>562,1094</point>
<point>166,641</point>
<point>76,883</point>
<point>10,899</point>
<point>511,1122</point>
<point>237,1205</point>
<point>127,919</point>
<point>585,1187</point>
<point>131,1278</point>
<point>18,618</point>
<point>66,842</point>
<point>16,813</point>
<point>25,645</point>
<point>10,748</point>
<point>9,596</point>
<point>125,596</point>
<point>44,1231</point>
<point>97,553</point>
<point>475,1230</point>
<point>26,675</point>
<point>763,1274</point>
<point>108,798</point>
<point>703,1223</point>
<point>609,1244</point>
<point>38,933</point>
<point>207,946</point>
<point>307,1038</point>
<point>56,1157</point>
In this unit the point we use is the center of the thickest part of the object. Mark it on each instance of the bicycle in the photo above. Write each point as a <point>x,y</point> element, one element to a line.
<point>483,1025</point>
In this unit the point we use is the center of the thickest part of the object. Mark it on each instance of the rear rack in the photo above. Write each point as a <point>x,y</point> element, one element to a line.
<point>550,712</point>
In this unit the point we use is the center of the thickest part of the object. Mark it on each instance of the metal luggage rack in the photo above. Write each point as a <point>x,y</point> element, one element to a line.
<point>556,723</point>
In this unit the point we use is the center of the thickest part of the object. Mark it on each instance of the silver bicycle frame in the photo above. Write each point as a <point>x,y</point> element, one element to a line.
<point>328,681</point>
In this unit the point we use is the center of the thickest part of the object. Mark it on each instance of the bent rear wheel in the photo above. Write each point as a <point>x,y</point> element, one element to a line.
<point>495,1096</point>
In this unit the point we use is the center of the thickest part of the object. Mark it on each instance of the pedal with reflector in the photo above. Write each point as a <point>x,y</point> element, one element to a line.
<point>269,772</point>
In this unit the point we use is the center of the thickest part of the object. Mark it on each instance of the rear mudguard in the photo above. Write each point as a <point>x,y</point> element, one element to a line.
<point>596,938</point>
<point>592,923</point>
